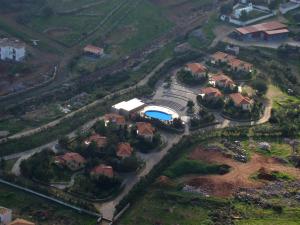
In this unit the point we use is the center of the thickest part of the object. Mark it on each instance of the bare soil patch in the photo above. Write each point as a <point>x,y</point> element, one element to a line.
<point>238,177</point>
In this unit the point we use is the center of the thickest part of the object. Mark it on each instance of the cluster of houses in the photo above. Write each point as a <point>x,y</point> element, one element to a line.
<point>6,218</point>
<point>232,61</point>
<point>220,80</point>
<point>74,161</point>
<point>12,49</point>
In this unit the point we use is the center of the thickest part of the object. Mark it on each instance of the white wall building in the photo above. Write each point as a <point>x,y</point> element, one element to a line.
<point>127,107</point>
<point>238,11</point>
<point>5,216</point>
<point>12,50</point>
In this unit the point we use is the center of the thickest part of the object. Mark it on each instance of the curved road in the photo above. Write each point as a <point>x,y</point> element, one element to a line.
<point>95,103</point>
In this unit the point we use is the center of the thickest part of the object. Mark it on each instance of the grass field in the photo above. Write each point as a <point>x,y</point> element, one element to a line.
<point>153,209</point>
<point>29,207</point>
<point>278,148</point>
<point>257,216</point>
<point>106,17</point>
<point>68,28</point>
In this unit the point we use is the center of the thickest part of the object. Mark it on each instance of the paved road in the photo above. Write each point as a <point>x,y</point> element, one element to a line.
<point>107,209</point>
<point>95,103</point>
<point>27,154</point>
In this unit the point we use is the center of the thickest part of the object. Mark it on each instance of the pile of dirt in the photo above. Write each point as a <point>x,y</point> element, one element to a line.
<point>265,174</point>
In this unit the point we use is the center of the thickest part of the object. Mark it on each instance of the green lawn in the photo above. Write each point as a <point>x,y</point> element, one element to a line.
<point>254,215</point>
<point>27,206</point>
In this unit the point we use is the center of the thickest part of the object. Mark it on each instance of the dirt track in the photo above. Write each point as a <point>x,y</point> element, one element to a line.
<point>239,176</point>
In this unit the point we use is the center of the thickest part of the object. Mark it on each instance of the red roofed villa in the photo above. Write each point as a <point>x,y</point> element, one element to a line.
<point>21,222</point>
<point>124,150</point>
<point>239,65</point>
<point>241,101</point>
<point>197,69</point>
<point>210,92</point>
<point>102,170</point>
<point>221,57</point>
<point>101,141</point>
<point>93,50</point>
<point>221,80</point>
<point>115,119</point>
<point>145,130</point>
<point>72,160</point>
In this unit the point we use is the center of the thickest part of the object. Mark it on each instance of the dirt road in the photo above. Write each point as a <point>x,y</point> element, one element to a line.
<point>238,177</point>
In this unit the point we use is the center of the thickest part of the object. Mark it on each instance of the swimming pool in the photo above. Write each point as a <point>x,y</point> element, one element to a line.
<point>158,115</point>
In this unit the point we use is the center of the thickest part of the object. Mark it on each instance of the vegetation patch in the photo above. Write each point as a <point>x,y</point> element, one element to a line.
<point>186,166</point>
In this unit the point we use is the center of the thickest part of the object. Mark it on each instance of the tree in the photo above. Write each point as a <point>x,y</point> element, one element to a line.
<point>244,15</point>
<point>129,164</point>
<point>260,86</point>
<point>190,105</point>
<point>38,166</point>
<point>100,127</point>
<point>226,9</point>
<point>47,11</point>
<point>64,142</point>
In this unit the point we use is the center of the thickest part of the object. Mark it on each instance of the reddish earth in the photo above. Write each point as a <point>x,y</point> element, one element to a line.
<point>238,177</point>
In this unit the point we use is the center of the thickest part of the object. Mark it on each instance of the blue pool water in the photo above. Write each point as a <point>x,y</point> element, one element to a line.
<point>159,115</point>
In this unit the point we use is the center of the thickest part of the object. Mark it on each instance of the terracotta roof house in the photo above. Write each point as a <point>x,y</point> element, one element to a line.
<point>196,69</point>
<point>21,222</point>
<point>115,119</point>
<point>221,57</point>
<point>93,50</point>
<point>124,150</point>
<point>101,141</point>
<point>72,160</point>
<point>241,101</point>
<point>221,80</point>
<point>102,170</point>
<point>210,92</point>
<point>239,65</point>
<point>5,215</point>
<point>145,130</point>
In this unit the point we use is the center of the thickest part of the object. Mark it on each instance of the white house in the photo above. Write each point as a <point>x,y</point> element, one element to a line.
<point>5,216</point>
<point>11,49</point>
<point>237,12</point>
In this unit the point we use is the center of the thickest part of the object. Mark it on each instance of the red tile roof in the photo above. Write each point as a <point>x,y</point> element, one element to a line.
<point>93,49</point>
<point>102,170</point>
<point>222,78</point>
<point>124,149</point>
<point>237,63</point>
<point>281,31</point>
<point>196,68</point>
<point>70,156</point>
<point>101,141</point>
<point>145,128</point>
<point>211,91</point>
<point>268,26</point>
<point>222,56</point>
<point>115,118</point>
<point>21,222</point>
<point>239,99</point>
